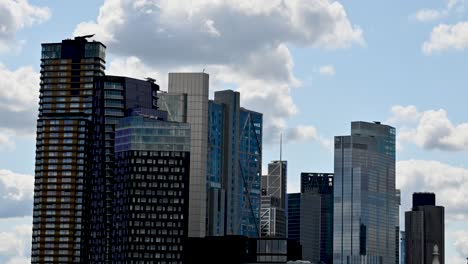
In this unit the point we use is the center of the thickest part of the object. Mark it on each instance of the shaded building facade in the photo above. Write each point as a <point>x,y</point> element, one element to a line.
<point>366,203</point>
<point>150,206</point>
<point>424,230</point>
<point>273,218</point>
<point>294,216</point>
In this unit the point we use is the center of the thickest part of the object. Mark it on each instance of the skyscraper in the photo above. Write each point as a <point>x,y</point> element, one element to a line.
<point>366,202</point>
<point>273,218</point>
<point>228,140</point>
<point>150,207</point>
<point>195,87</point>
<point>113,96</point>
<point>63,149</point>
<point>317,217</point>
<point>294,216</point>
<point>425,230</point>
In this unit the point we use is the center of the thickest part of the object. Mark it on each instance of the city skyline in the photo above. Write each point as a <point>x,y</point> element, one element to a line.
<point>393,68</point>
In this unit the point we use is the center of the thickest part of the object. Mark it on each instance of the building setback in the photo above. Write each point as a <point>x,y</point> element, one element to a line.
<point>424,231</point>
<point>273,216</point>
<point>150,204</point>
<point>366,203</point>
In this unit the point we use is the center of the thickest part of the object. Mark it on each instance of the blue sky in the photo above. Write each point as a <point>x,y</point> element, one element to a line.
<point>311,66</point>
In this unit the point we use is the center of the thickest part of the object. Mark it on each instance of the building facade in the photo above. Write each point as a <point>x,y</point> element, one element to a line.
<point>229,145</point>
<point>63,149</point>
<point>273,218</point>
<point>113,97</point>
<point>150,207</point>
<point>316,235</point>
<point>195,87</point>
<point>366,203</point>
<point>294,216</point>
<point>425,230</point>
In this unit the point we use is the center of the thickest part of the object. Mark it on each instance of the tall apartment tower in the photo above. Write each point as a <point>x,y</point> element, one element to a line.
<point>63,157</point>
<point>226,152</point>
<point>273,218</point>
<point>366,203</point>
<point>425,231</point>
<point>150,188</point>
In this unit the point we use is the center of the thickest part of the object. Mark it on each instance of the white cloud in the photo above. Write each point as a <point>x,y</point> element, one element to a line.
<point>426,15</point>
<point>449,183</point>
<point>242,44</point>
<point>301,133</point>
<point>446,36</point>
<point>429,14</point>
<point>16,194</point>
<point>327,70</point>
<point>19,95</point>
<point>461,243</point>
<point>15,245</point>
<point>15,15</point>
<point>429,129</point>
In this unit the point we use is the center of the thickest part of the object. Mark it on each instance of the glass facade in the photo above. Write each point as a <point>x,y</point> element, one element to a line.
<point>365,199</point>
<point>294,216</point>
<point>113,97</point>
<point>150,208</point>
<point>63,150</point>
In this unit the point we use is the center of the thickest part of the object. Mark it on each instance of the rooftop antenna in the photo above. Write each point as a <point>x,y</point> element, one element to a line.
<point>203,70</point>
<point>281,147</point>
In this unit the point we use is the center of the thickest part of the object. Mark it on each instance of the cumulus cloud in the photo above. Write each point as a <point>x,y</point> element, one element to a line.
<point>327,70</point>
<point>15,15</point>
<point>449,183</point>
<point>19,95</point>
<point>16,194</point>
<point>429,129</point>
<point>242,44</point>
<point>445,36</point>
<point>15,245</point>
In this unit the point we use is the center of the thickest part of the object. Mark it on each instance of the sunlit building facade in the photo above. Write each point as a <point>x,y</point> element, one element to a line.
<point>366,203</point>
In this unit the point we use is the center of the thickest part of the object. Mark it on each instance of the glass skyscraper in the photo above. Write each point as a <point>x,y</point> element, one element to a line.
<point>366,203</point>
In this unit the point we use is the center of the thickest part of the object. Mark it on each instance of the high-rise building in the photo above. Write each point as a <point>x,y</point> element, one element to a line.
<point>366,203</point>
<point>227,142</point>
<point>113,96</point>
<point>316,233</point>
<point>294,216</point>
<point>150,207</point>
<point>402,247</point>
<point>273,218</point>
<point>425,230</point>
<point>77,198</point>
<point>63,149</point>
<point>194,86</point>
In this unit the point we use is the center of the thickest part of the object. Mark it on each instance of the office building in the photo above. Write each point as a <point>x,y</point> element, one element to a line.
<point>316,233</point>
<point>226,146</point>
<point>294,216</point>
<point>366,203</point>
<point>273,218</point>
<point>402,247</point>
<point>193,86</point>
<point>149,222</point>
<point>113,96</point>
<point>63,149</point>
<point>425,230</point>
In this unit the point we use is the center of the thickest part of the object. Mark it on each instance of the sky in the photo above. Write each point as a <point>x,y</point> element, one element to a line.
<point>311,66</point>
